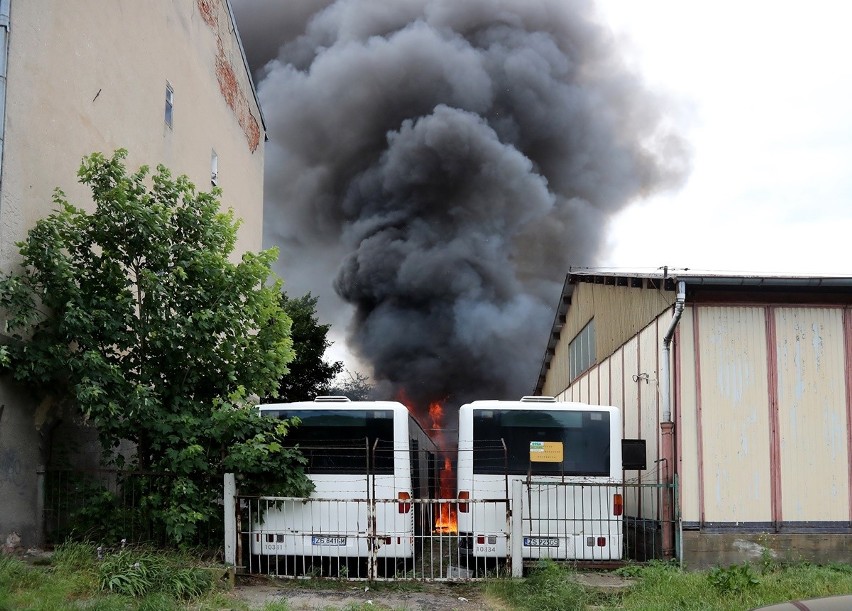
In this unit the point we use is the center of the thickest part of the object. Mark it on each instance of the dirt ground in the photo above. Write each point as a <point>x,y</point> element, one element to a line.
<point>440,596</point>
<point>257,592</point>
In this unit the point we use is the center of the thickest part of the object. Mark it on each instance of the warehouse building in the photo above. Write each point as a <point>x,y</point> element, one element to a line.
<point>167,81</point>
<point>740,386</point>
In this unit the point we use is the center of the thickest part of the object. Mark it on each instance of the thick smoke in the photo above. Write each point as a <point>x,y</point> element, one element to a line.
<point>440,164</point>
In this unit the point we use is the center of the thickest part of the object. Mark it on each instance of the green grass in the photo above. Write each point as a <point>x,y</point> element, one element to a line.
<point>735,588</point>
<point>146,580</point>
<point>665,587</point>
<point>129,579</point>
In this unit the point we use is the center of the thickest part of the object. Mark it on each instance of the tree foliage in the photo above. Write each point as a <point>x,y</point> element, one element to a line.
<point>137,313</point>
<point>309,374</point>
<point>354,385</point>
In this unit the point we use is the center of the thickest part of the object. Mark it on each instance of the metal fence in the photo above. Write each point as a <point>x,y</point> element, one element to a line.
<point>363,538</point>
<point>108,506</point>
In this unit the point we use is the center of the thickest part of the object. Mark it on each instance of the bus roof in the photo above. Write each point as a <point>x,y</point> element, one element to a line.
<point>334,404</point>
<point>543,403</point>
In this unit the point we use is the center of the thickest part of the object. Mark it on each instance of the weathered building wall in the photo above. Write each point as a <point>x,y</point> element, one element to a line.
<point>686,416</point>
<point>619,313</point>
<point>734,423</point>
<point>761,398</point>
<point>93,77</point>
<point>764,389</point>
<point>812,433</point>
<point>629,379</point>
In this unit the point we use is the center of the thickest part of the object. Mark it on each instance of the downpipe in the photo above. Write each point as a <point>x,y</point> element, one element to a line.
<point>667,428</point>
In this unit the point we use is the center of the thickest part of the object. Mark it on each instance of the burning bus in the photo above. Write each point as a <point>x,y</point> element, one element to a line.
<point>370,462</point>
<point>567,455</point>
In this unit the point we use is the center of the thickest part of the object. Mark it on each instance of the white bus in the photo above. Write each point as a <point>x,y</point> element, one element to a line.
<point>368,460</point>
<point>568,455</point>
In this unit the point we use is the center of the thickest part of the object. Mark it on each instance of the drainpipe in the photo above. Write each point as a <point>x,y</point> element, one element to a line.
<point>667,428</point>
<point>667,342</point>
<point>4,53</point>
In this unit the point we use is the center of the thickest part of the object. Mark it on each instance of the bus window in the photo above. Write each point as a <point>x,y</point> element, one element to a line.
<point>335,441</point>
<point>583,438</point>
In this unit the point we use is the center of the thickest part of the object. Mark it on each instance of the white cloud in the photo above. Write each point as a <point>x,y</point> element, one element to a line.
<point>771,85</point>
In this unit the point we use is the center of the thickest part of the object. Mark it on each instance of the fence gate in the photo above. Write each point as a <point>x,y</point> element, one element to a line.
<point>359,538</point>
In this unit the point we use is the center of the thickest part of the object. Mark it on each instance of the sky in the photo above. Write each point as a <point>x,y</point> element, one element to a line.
<point>761,91</point>
<point>765,92</point>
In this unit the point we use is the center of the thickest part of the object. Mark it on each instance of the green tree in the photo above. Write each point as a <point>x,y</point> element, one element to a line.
<point>309,374</point>
<point>355,385</point>
<point>138,315</point>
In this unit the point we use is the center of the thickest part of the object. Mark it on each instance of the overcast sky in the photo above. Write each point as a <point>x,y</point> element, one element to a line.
<point>767,92</point>
<point>762,91</point>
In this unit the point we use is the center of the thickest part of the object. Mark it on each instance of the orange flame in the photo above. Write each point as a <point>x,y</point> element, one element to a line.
<point>446,520</point>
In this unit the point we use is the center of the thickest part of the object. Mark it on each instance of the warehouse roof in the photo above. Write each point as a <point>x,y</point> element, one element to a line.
<point>698,283</point>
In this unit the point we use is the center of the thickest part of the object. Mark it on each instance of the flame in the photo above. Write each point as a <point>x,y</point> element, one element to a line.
<point>446,520</point>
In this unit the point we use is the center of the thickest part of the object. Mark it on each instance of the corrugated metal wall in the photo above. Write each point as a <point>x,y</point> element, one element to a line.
<point>764,388</point>
<point>761,401</point>
<point>732,387</point>
<point>812,426</point>
<point>619,312</point>
<point>629,378</point>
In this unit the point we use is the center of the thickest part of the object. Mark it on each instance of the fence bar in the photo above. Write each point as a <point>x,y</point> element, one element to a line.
<point>515,537</point>
<point>229,498</point>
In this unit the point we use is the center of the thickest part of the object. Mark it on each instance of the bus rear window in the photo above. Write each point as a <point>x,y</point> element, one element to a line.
<point>541,442</point>
<point>351,441</point>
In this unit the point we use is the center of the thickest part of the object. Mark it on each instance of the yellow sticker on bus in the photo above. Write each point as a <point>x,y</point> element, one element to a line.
<point>545,451</point>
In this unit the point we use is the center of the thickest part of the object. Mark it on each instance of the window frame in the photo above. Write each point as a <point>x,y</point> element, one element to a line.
<point>170,105</point>
<point>582,351</point>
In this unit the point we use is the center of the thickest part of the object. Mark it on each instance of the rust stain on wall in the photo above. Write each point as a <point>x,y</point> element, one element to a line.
<point>229,85</point>
<point>236,99</point>
<point>208,12</point>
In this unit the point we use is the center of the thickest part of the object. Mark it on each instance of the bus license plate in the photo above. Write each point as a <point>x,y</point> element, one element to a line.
<point>328,540</point>
<point>541,542</point>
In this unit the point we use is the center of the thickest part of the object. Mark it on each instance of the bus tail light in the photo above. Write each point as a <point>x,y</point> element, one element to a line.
<point>404,507</point>
<point>463,507</point>
<point>617,504</point>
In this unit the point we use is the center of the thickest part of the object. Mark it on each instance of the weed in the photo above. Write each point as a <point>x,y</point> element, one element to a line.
<point>75,556</point>
<point>548,587</point>
<point>768,562</point>
<point>138,573</point>
<point>733,579</point>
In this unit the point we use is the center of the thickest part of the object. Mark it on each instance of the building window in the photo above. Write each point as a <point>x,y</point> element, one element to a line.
<point>170,104</point>
<point>581,351</point>
<point>214,168</point>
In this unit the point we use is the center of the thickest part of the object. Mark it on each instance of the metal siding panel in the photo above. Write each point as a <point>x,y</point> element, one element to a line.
<point>619,312</point>
<point>687,431</point>
<point>812,414</point>
<point>616,378</point>
<point>735,418</point>
<point>649,390</point>
<point>631,390</point>
<point>630,354</point>
<point>649,421</point>
<point>594,380</point>
<point>604,382</point>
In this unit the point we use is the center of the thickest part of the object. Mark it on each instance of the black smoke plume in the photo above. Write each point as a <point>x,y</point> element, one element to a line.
<point>440,164</point>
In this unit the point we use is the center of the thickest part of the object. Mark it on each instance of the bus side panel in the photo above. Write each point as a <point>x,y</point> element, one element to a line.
<point>394,519</point>
<point>560,520</point>
<point>333,522</point>
<point>573,521</point>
